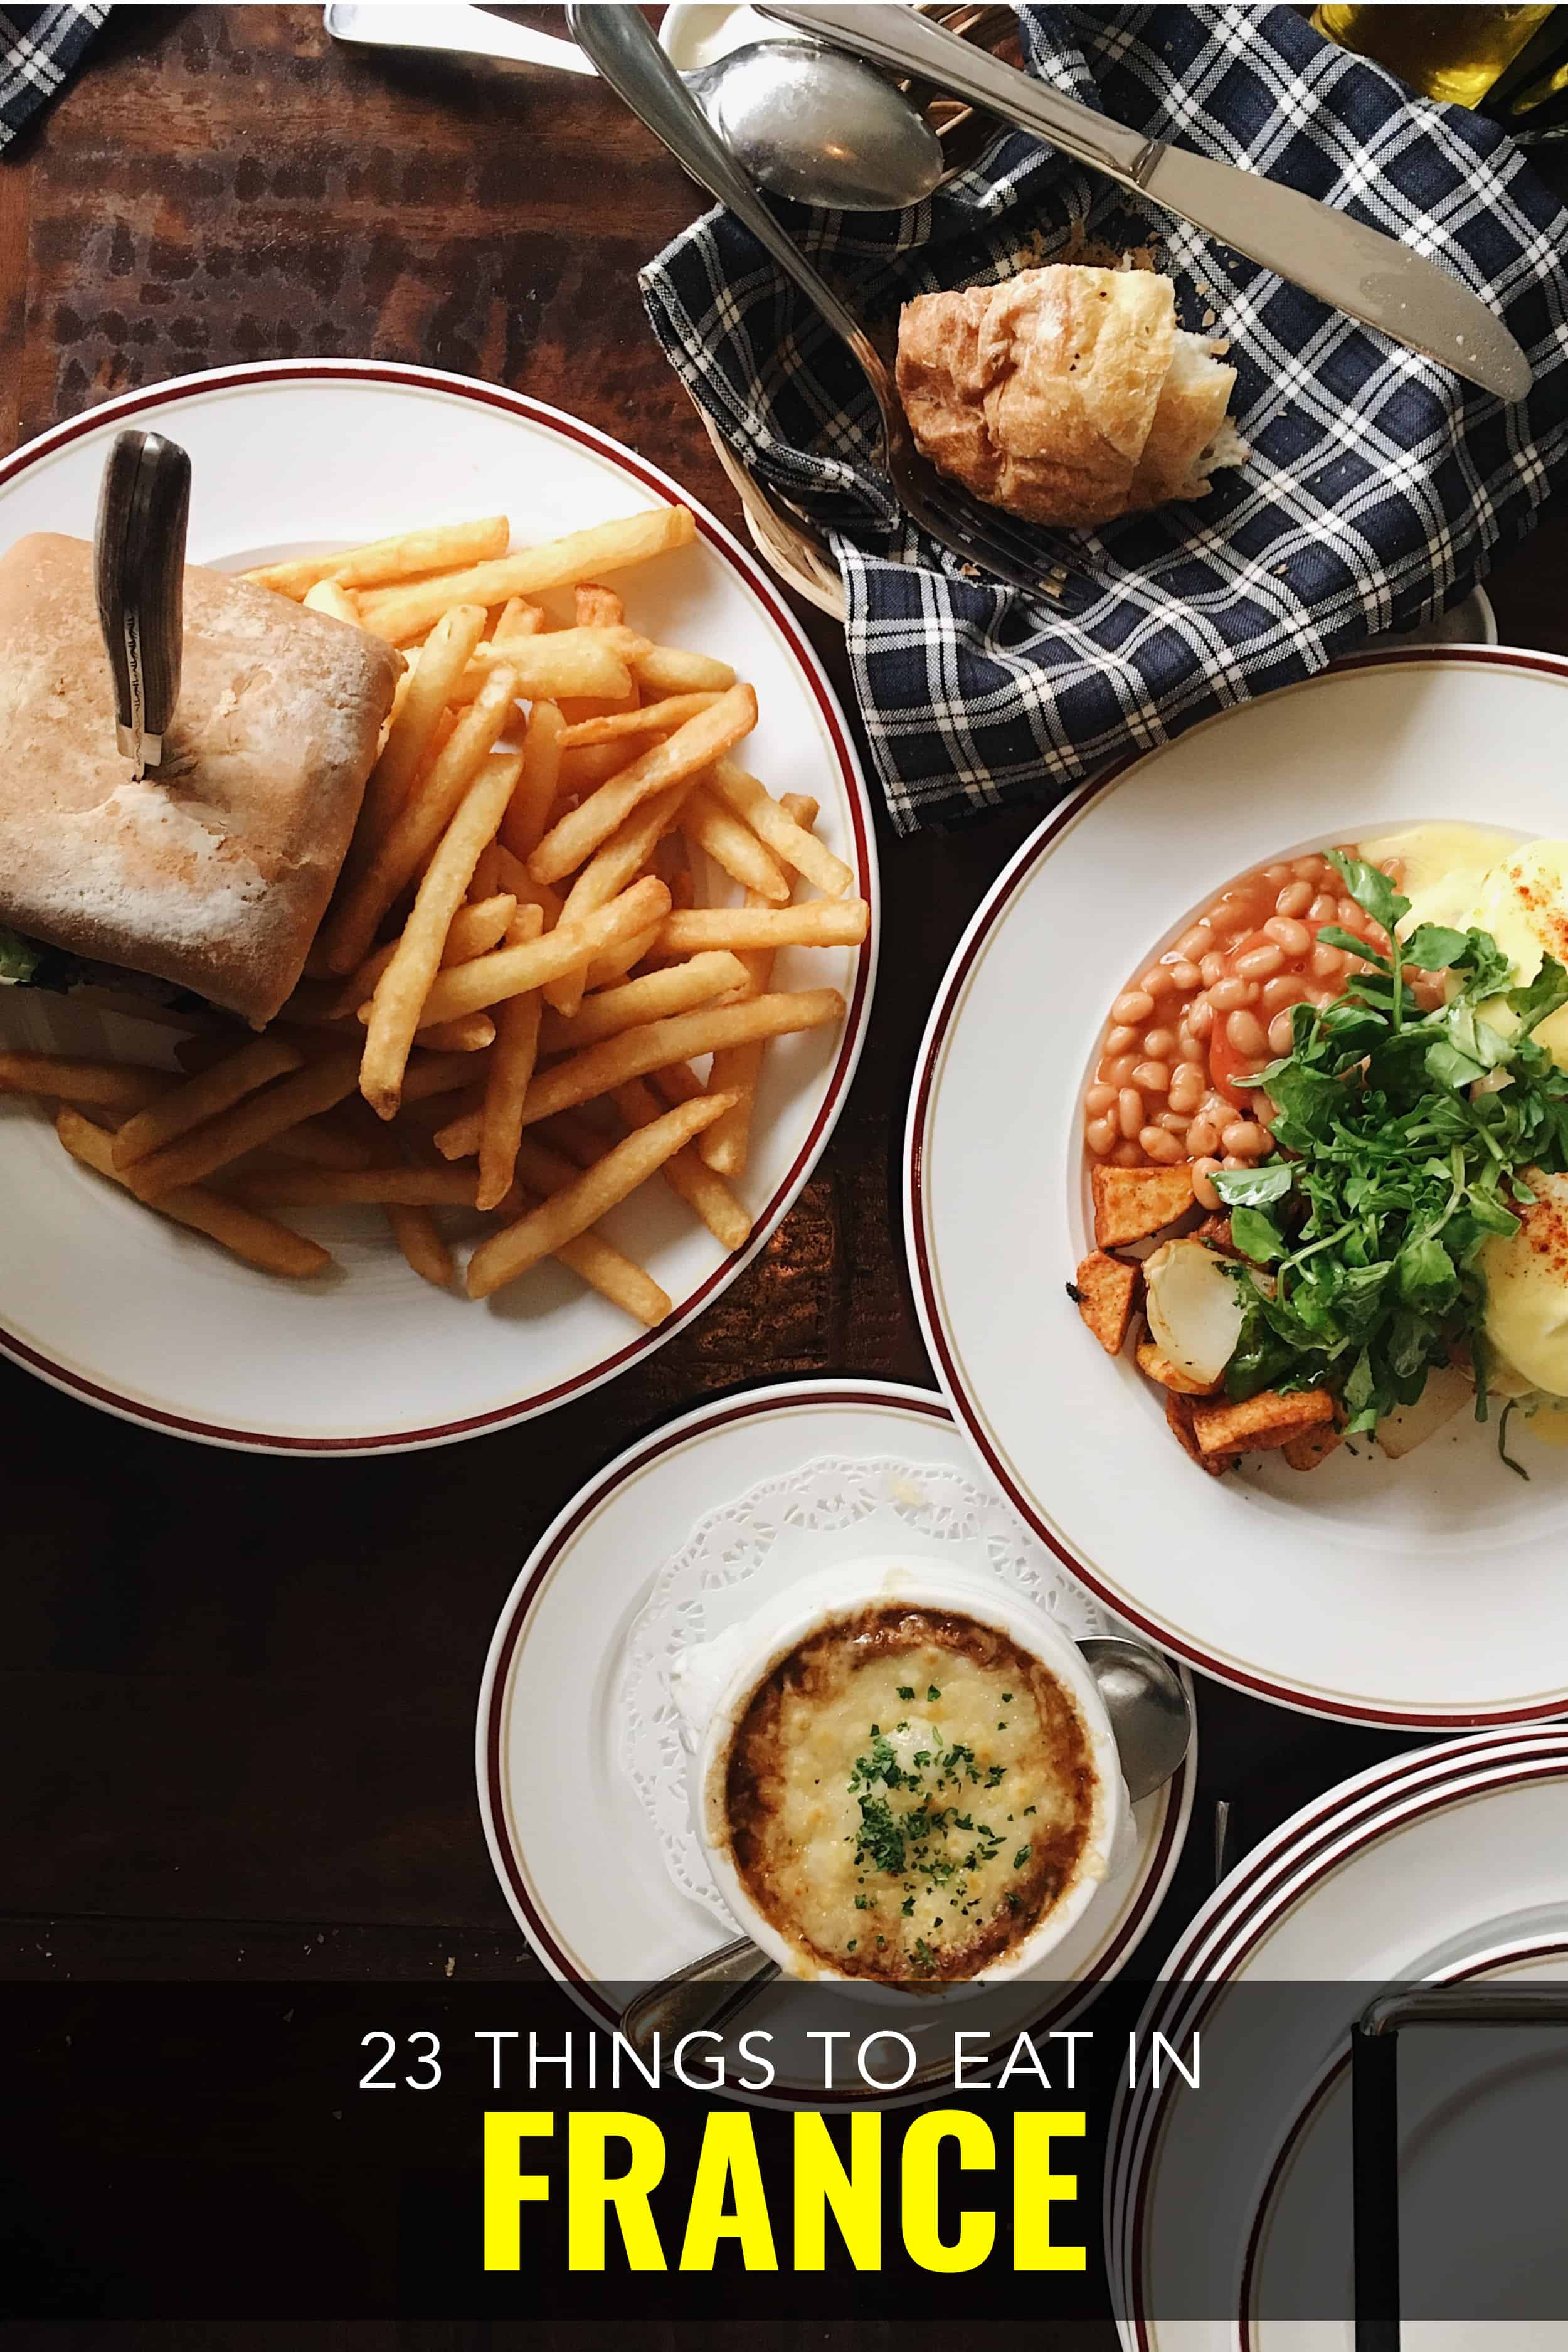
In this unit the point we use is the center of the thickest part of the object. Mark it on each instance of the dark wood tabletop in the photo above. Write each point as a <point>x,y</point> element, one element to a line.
<point>237,1694</point>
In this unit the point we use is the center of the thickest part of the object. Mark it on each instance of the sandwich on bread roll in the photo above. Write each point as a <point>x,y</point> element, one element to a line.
<point>1067,394</point>
<point>213,871</point>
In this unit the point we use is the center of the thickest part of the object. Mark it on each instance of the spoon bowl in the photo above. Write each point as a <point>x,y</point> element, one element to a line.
<point>817,126</point>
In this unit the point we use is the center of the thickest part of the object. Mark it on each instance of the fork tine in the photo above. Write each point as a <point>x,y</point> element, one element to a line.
<point>957,523</point>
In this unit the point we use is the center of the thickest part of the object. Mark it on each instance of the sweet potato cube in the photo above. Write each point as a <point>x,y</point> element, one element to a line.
<point>1153,1362</point>
<point>1179,1420</point>
<point>1130,1203</point>
<point>1106,1288</point>
<point>1306,1453</point>
<point>1260,1422</point>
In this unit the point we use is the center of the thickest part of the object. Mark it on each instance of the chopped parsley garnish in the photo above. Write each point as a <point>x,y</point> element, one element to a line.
<point>1392,1176</point>
<point>1021,1857</point>
<point>906,1690</point>
<point>932,1692</point>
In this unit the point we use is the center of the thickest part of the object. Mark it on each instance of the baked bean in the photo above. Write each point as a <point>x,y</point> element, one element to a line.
<point>1212,968</point>
<point>1263,1108</point>
<point>1309,869</point>
<point>1099,1100</point>
<point>1247,1033</point>
<point>1187,975</point>
<point>1100,1135</point>
<point>1230,995</point>
<point>1154,1077</point>
<point>1157,1145</point>
<point>1218,1106</point>
<point>1202,1191</point>
<point>1174,1122</point>
<point>1120,1072</point>
<point>1261,963</point>
<point>1293,937</point>
<point>1294,899</point>
<point>1196,943</point>
<point>1156,982</point>
<point>1127,1155</point>
<point>1119,1039</point>
<point>1277,874</point>
<point>1160,1044</point>
<point>1279,1033</point>
<point>1428,991</point>
<point>1326,963</point>
<point>1188,1081</point>
<point>1203,1136</point>
<point>1230,1160</point>
<point>1245,1140</point>
<point>1200,1018</point>
<point>1280,995</point>
<point>1135,1006</point>
<point>1322,910</point>
<point>1354,919</point>
<point>1395,869</point>
<point>1130,1111</point>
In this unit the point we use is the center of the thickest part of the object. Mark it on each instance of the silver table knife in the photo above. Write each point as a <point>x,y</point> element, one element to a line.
<point>477,31</point>
<point>1358,269</point>
<point>139,551</point>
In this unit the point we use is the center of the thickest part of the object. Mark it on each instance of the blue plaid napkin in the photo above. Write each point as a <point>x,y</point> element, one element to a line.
<point>1380,487</point>
<point>39,48</point>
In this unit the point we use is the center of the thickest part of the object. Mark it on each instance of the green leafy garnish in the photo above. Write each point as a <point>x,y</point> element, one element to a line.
<point>19,959</point>
<point>1393,1174</point>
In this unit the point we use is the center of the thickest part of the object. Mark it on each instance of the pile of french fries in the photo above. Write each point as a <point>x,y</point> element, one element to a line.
<point>503,1006</point>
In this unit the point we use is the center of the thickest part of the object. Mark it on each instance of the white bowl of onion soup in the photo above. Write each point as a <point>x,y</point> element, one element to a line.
<point>907,1778</point>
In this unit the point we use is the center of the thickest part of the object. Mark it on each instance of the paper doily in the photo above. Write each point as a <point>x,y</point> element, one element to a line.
<point>749,1549</point>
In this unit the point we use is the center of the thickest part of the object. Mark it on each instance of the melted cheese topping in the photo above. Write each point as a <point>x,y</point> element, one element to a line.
<point>909,1794</point>
<point>1526,1274</point>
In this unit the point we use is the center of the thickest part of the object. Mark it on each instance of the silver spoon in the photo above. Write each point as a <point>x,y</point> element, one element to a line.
<point>804,121</point>
<point>1151,1718</point>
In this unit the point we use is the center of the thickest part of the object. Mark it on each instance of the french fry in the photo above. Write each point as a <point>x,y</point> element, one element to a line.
<point>772,822</point>
<point>245,1127</point>
<point>669,670</point>
<point>581,555</point>
<point>657,719</point>
<point>420,1239</point>
<point>611,870</point>
<point>482,880</point>
<point>528,813</point>
<point>261,1243</point>
<point>183,1107</point>
<point>431,1075</point>
<point>733,845</point>
<point>606,970</point>
<point>338,1188</point>
<point>685,1173</point>
<point>680,756</point>
<point>442,660</point>
<point>653,997</point>
<point>562,662</point>
<point>606,1269</point>
<point>726,1145</point>
<point>507,972</point>
<point>516,877</point>
<point>123,1086</point>
<point>597,607</point>
<point>636,1051</point>
<point>815,923</point>
<point>328,597</point>
<point>566,1214</point>
<point>471,1033</point>
<point>419,825</point>
<point>315,1144</point>
<point>459,1137</point>
<point>401,991</point>
<point>517,618</point>
<point>402,557</point>
<point>506,1086</point>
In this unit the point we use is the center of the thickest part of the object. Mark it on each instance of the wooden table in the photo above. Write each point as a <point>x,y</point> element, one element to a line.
<point>236,1695</point>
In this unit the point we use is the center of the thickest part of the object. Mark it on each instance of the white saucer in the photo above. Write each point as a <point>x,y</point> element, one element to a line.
<point>600,1906</point>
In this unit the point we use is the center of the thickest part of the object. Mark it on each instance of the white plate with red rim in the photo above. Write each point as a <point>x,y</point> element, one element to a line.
<point>1426,1592</point>
<point>130,1312</point>
<point>549,1746</point>
<point>1445,1863</point>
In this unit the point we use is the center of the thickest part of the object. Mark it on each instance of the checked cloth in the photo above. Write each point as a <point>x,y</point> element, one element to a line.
<point>1379,491</point>
<point>39,48</point>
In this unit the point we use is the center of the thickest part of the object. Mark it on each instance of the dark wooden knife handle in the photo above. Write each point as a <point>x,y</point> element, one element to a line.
<point>143,509</point>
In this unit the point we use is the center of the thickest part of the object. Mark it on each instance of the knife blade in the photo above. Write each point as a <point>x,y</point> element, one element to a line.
<point>473,31</point>
<point>1370,277</point>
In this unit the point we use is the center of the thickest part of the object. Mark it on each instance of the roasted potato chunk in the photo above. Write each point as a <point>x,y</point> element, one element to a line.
<point>1179,1420</point>
<point>1157,1366</point>
<point>1260,1422</point>
<point>1130,1203</point>
<point>1306,1453</point>
<point>1105,1290</point>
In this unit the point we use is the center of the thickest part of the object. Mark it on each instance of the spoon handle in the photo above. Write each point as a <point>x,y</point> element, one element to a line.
<point>621,43</point>
<point>458,31</point>
<point>707,1993</point>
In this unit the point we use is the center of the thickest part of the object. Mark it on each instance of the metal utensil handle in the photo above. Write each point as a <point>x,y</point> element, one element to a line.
<point>704,1995</point>
<point>139,569</point>
<point>455,30</point>
<point>621,43</point>
<point>911,43</point>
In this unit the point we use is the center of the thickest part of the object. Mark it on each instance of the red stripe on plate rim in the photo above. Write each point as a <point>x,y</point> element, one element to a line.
<point>702,1421</point>
<point>1018,871</point>
<point>730,551</point>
